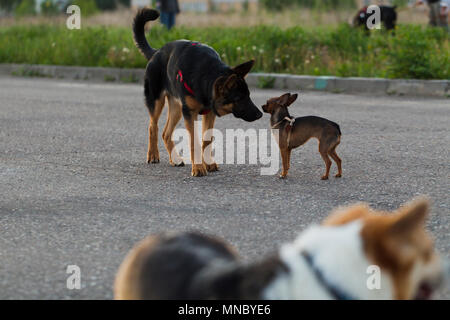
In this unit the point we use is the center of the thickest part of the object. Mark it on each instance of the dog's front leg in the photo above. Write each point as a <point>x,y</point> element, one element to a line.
<point>198,167</point>
<point>285,158</point>
<point>207,139</point>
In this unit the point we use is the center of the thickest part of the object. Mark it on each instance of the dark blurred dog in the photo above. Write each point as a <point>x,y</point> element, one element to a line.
<point>388,17</point>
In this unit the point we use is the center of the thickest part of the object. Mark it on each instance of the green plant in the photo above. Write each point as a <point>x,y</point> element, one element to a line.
<point>277,5</point>
<point>9,5</point>
<point>106,4</point>
<point>400,3</point>
<point>317,4</point>
<point>129,79</point>
<point>27,72</point>
<point>422,57</point>
<point>49,7</point>
<point>413,52</point>
<point>109,78</point>
<point>266,82</point>
<point>25,8</point>
<point>87,7</point>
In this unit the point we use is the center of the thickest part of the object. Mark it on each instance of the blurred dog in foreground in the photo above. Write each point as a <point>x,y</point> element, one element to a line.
<point>329,261</point>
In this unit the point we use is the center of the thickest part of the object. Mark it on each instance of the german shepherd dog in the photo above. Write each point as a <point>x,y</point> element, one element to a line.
<point>195,81</point>
<point>327,261</point>
<point>294,132</point>
<point>388,17</point>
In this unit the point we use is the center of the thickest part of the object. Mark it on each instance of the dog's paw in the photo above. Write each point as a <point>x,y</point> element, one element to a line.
<point>177,163</point>
<point>324,178</point>
<point>153,157</point>
<point>338,175</point>
<point>212,167</point>
<point>283,175</point>
<point>181,164</point>
<point>199,170</point>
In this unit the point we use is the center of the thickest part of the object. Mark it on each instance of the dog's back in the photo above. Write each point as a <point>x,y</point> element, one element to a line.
<point>312,126</point>
<point>164,266</point>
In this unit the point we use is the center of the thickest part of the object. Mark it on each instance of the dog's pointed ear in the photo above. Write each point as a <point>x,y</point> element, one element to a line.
<point>291,99</point>
<point>283,100</point>
<point>411,216</point>
<point>230,82</point>
<point>244,68</point>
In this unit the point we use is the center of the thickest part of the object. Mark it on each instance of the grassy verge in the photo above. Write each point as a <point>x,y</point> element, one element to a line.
<point>414,51</point>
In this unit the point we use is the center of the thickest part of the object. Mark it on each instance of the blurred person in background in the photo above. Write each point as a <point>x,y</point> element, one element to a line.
<point>169,9</point>
<point>438,12</point>
<point>445,8</point>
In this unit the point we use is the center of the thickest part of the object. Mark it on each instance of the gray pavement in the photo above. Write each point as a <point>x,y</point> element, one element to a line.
<point>75,187</point>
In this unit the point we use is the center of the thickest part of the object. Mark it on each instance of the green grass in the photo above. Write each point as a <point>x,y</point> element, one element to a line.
<point>266,82</point>
<point>414,51</point>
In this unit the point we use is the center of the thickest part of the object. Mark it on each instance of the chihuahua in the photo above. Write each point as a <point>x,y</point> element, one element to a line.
<point>294,132</point>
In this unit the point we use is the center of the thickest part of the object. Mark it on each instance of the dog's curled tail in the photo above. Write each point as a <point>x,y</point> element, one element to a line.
<point>142,17</point>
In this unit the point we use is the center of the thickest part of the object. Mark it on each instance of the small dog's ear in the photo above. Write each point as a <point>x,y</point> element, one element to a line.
<point>291,99</point>
<point>283,100</point>
<point>244,68</point>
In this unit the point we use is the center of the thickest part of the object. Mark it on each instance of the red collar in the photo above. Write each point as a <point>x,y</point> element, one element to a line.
<point>189,89</point>
<point>186,86</point>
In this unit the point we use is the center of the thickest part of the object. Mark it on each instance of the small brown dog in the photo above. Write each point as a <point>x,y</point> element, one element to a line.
<point>294,132</point>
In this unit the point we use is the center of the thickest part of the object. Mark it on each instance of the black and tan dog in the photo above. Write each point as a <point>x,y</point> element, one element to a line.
<point>295,132</point>
<point>195,81</point>
<point>388,16</point>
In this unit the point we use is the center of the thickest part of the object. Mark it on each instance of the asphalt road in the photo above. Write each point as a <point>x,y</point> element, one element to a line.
<point>76,189</point>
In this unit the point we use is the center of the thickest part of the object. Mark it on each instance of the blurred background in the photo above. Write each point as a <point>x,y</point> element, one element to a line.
<point>313,37</point>
<point>283,13</point>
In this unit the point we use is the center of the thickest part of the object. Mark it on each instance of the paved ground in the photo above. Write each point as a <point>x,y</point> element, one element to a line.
<point>75,187</point>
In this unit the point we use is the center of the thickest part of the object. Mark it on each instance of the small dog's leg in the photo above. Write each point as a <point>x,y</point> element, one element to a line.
<point>338,161</point>
<point>153,152</point>
<point>285,157</point>
<point>198,167</point>
<point>289,158</point>
<point>327,164</point>
<point>323,150</point>
<point>207,126</point>
<point>173,116</point>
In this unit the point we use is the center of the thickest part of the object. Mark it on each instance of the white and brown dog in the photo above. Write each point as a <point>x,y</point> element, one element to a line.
<point>329,261</point>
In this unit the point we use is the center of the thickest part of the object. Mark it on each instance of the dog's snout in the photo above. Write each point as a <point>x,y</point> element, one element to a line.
<point>256,114</point>
<point>259,116</point>
<point>248,111</point>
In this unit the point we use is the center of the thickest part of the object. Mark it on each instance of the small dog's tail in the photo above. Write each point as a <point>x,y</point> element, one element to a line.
<point>338,128</point>
<point>142,17</point>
